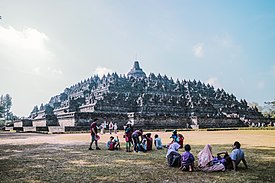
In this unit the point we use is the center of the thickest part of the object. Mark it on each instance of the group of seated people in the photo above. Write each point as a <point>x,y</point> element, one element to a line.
<point>113,144</point>
<point>206,161</point>
<point>141,142</point>
<point>145,144</point>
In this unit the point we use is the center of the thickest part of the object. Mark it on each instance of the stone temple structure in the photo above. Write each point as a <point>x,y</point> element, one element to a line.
<point>150,101</point>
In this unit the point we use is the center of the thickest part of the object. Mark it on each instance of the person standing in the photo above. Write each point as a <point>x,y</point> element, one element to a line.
<point>128,137</point>
<point>94,138</point>
<point>104,127</point>
<point>101,128</point>
<point>111,126</point>
<point>115,128</point>
<point>135,136</point>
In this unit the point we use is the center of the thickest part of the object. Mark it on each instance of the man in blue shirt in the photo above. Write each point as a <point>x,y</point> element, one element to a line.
<point>237,155</point>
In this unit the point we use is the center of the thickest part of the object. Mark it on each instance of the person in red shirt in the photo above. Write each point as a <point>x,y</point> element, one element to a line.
<point>180,140</point>
<point>94,138</point>
<point>149,142</point>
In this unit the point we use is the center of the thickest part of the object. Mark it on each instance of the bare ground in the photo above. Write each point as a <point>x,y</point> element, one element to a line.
<point>32,157</point>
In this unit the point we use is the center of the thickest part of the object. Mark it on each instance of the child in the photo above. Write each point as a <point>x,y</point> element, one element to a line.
<point>110,145</point>
<point>149,141</point>
<point>157,142</point>
<point>143,145</point>
<point>187,159</point>
<point>117,144</point>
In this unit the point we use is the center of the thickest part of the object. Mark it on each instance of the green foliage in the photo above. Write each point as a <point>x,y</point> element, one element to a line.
<point>5,106</point>
<point>2,110</point>
<point>2,122</point>
<point>269,110</point>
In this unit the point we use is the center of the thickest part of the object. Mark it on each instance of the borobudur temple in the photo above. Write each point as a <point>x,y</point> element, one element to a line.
<point>149,101</point>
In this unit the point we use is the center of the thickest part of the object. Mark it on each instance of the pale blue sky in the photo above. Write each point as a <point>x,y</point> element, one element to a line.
<point>46,46</point>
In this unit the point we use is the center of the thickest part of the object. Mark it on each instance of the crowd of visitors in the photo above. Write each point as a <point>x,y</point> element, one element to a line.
<point>142,142</point>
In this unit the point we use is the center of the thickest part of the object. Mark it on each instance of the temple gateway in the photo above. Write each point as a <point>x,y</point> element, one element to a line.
<point>149,101</point>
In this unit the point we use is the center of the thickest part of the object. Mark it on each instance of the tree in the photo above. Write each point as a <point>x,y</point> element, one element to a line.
<point>2,111</point>
<point>254,105</point>
<point>269,111</point>
<point>5,103</point>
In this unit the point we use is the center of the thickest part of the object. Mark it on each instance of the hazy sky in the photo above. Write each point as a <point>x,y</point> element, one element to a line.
<point>46,46</point>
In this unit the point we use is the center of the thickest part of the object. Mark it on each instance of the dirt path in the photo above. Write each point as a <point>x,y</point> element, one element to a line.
<point>248,138</point>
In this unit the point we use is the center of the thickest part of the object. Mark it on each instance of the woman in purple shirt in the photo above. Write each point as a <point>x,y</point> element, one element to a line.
<point>135,136</point>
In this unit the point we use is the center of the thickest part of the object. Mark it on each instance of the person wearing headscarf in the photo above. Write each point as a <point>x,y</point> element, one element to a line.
<point>172,156</point>
<point>205,161</point>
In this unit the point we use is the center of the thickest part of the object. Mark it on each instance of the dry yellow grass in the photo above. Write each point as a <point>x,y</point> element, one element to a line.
<point>66,158</point>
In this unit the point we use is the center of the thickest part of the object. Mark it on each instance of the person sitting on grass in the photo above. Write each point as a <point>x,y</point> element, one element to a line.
<point>237,155</point>
<point>149,142</point>
<point>206,163</point>
<point>187,159</point>
<point>225,160</point>
<point>117,145</point>
<point>172,156</point>
<point>143,144</point>
<point>174,138</point>
<point>158,142</point>
<point>112,144</point>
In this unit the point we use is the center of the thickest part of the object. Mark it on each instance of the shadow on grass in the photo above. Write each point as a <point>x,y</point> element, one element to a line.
<point>74,163</point>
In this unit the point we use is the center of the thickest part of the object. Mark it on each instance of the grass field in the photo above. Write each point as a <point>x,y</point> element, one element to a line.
<point>66,158</point>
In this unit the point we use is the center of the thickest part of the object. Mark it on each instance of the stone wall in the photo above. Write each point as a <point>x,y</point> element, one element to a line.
<point>266,121</point>
<point>18,124</point>
<point>29,129</point>
<point>39,122</point>
<point>56,129</point>
<point>161,121</point>
<point>83,119</point>
<point>219,122</point>
<point>67,119</point>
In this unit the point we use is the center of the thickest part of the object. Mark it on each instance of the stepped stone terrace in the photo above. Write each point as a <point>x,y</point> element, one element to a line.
<point>153,101</point>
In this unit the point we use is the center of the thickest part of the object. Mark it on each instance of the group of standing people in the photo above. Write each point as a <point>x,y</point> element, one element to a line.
<point>110,126</point>
<point>141,142</point>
